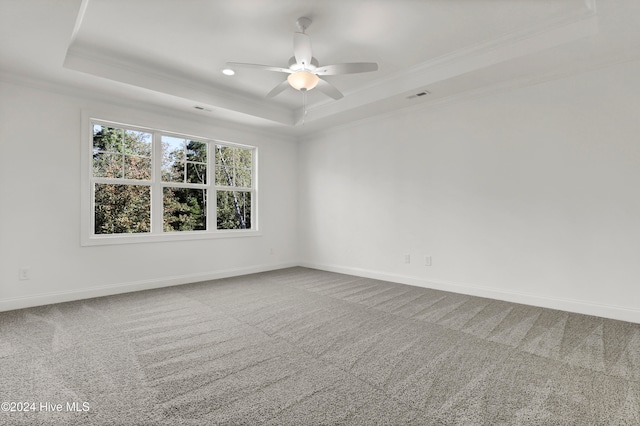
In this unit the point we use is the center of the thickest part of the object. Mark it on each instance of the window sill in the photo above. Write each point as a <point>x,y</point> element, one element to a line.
<point>165,237</point>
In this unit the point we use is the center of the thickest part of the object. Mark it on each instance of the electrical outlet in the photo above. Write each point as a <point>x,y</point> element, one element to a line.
<point>427,261</point>
<point>407,258</point>
<point>24,274</point>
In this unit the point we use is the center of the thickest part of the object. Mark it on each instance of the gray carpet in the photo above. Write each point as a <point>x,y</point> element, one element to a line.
<point>305,347</point>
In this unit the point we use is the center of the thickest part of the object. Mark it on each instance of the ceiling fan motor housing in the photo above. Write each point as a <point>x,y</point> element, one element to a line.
<point>294,66</point>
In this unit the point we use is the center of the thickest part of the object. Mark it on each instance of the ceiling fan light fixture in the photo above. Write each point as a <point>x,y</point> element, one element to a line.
<point>304,71</point>
<point>303,80</point>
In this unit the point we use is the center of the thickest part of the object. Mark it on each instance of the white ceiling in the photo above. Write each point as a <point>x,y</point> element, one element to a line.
<point>171,53</point>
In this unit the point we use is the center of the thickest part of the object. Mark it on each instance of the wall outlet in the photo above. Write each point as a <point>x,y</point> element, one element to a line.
<point>407,258</point>
<point>24,274</point>
<point>427,261</point>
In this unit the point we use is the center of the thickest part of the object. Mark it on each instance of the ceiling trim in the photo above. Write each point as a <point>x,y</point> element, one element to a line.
<point>574,25</point>
<point>79,19</point>
<point>109,65</point>
<point>551,34</point>
<point>483,91</point>
<point>102,98</point>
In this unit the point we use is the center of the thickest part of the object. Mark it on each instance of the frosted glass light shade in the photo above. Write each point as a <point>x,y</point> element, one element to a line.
<point>303,80</point>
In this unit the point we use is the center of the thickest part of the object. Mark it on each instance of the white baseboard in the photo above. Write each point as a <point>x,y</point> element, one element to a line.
<point>108,290</point>
<point>569,305</point>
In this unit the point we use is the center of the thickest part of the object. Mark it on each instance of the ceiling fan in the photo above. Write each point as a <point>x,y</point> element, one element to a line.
<point>304,70</point>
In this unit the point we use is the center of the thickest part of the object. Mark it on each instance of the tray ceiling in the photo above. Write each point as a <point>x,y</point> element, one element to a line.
<point>172,53</point>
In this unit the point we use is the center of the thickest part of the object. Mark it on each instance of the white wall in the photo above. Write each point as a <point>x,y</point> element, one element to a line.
<point>531,195</point>
<point>40,207</point>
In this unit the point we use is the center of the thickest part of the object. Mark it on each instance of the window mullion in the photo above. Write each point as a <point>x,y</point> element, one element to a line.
<point>156,185</point>
<point>211,191</point>
<point>254,189</point>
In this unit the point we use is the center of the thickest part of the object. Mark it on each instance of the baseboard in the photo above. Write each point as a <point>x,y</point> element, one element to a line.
<point>570,305</point>
<point>108,290</point>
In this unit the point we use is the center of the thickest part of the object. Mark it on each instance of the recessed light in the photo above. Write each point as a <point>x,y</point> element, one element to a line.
<point>228,71</point>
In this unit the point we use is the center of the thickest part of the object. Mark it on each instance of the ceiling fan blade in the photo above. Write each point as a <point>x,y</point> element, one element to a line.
<point>258,66</point>
<point>302,49</point>
<point>329,89</point>
<point>278,89</point>
<point>350,68</point>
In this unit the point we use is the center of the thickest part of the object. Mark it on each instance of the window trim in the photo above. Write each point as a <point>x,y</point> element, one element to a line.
<point>87,217</point>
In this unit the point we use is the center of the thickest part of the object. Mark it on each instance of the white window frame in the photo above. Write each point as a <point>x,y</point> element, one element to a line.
<point>89,238</point>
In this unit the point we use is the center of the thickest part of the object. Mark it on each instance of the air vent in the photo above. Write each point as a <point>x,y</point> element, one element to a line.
<point>202,108</point>
<point>423,93</point>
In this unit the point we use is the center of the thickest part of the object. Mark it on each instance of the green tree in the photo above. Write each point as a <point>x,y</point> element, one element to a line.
<point>119,153</point>
<point>233,169</point>
<point>184,209</point>
<point>126,207</point>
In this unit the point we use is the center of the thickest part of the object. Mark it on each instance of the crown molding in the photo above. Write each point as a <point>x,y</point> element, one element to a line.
<point>87,96</point>
<point>484,91</point>
<point>110,65</point>
<point>553,33</point>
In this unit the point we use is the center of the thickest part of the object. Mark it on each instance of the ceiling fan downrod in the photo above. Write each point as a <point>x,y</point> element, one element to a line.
<point>303,23</point>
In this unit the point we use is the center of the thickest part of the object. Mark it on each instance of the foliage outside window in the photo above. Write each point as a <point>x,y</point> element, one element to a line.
<point>184,162</point>
<point>233,178</point>
<point>151,182</point>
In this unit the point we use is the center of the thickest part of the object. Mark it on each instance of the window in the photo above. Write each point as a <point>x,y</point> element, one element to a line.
<point>184,184</point>
<point>156,184</point>
<point>233,181</point>
<point>122,177</point>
